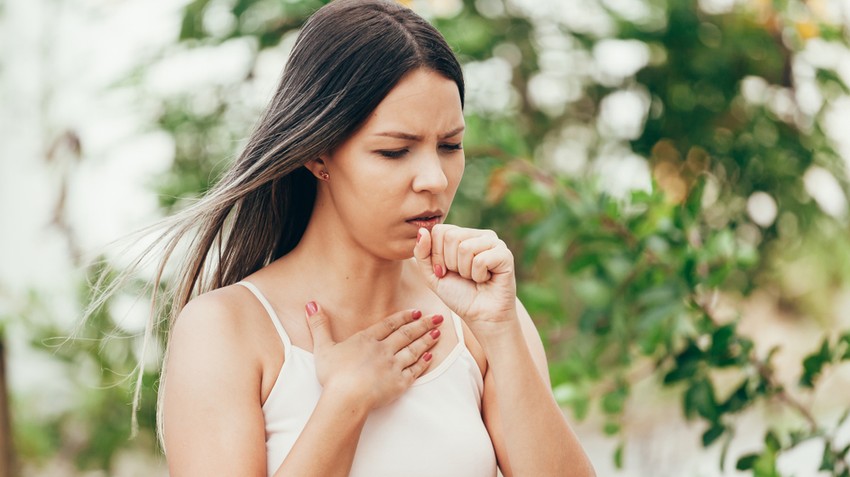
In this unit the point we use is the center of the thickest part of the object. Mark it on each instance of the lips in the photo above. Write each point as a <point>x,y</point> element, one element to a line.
<point>426,219</point>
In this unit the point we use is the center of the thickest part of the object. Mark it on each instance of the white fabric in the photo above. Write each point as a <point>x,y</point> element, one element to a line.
<point>434,429</point>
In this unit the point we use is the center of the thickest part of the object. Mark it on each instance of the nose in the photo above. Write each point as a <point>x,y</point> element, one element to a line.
<point>429,175</point>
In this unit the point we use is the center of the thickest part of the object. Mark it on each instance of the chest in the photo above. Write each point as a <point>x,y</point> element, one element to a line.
<point>435,428</point>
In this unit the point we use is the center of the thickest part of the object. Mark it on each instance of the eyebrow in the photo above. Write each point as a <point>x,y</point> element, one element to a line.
<point>414,137</point>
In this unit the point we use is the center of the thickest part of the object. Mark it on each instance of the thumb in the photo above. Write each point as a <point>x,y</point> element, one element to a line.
<point>319,325</point>
<point>422,254</point>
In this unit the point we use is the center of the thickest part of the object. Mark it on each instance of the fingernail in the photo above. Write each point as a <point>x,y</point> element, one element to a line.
<point>311,308</point>
<point>427,356</point>
<point>437,319</point>
<point>416,314</point>
<point>418,235</point>
<point>438,270</point>
<point>435,334</point>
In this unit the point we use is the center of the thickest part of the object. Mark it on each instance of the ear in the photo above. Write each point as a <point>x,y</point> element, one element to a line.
<point>316,167</point>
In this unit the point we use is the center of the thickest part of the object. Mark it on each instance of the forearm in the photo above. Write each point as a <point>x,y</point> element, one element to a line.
<point>540,442</point>
<point>328,442</point>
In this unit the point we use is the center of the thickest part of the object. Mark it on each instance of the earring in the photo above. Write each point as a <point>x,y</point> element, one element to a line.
<point>323,174</point>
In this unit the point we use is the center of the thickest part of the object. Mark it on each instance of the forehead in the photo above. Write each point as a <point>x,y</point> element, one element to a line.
<point>423,102</point>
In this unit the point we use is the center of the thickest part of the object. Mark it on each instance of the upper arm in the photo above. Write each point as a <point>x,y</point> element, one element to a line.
<point>490,409</point>
<point>213,421</point>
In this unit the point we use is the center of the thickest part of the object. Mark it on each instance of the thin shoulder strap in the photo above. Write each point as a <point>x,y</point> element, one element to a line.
<point>275,321</point>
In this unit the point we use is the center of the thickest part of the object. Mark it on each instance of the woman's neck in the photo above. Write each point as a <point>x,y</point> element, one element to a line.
<point>356,287</point>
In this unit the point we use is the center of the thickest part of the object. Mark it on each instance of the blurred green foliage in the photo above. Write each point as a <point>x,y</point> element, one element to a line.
<point>617,282</point>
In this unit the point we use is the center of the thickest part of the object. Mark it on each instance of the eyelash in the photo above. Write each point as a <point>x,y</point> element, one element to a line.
<point>396,154</point>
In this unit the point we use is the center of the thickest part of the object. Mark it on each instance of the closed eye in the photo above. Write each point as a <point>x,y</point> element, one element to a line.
<point>451,147</point>
<point>393,154</point>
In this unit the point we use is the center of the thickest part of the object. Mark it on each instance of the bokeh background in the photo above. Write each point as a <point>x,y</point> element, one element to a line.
<point>671,174</point>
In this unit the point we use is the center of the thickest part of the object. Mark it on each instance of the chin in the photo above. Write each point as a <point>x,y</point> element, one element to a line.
<point>401,250</point>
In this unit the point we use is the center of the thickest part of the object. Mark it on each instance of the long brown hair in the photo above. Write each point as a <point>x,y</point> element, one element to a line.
<point>348,56</point>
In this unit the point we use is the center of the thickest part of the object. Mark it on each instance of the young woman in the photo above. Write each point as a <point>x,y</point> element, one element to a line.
<point>342,328</point>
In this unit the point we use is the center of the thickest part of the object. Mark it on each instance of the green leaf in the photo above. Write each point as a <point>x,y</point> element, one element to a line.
<point>747,462</point>
<point>614,401</point>
<point>699,399</point>
<point>611,428</point>
<point>739,399</point>
<point>765,466</point>
<point>680,372</point>
<point>828,460</point>
<point>711,435</point>
<point>719,353</point>
<point>813,365</point>
<point>687,363</point>
<point>618,456</point>
<point>581,262</point>
<point>771,441</point>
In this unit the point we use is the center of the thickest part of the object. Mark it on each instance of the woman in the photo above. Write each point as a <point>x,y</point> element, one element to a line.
<point>344,329</point>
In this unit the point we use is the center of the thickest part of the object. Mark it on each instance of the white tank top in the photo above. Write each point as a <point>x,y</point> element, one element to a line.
<point>434,429</point>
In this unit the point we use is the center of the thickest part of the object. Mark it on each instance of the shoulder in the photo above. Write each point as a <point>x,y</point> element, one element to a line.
<point>213,330</point>
<point>214,319</point>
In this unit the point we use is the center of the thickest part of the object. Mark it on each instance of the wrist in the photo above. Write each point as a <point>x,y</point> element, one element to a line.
<point>348,399</point>
<point>497,332</point>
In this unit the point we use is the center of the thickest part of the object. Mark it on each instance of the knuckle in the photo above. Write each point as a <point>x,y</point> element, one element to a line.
<point>438,231</point>
<point>408,333</point>
<point>408,376</point>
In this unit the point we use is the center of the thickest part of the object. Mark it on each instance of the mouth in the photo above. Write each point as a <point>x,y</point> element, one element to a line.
<point>427,219</point>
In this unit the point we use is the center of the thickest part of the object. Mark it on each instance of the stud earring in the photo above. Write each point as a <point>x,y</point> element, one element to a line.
<point>324,175</point>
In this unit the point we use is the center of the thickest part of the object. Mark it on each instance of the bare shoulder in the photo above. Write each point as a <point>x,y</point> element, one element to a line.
<point>216,333</point>
<point>211,387</point>
<point>214,315</point>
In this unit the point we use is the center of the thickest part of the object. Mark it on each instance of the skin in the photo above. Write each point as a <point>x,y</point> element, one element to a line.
<point>376,288</point>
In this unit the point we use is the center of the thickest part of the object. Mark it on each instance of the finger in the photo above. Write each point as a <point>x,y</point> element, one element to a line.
<point>418,368</point>
<point>446,239</point>
<point>437,260</point>
<point>392,323</point>
<point>451,240</point>
<point>412,352</point>
<point>494,261</point>
<point>468,249</point>
<point>422,254</point>
<point>319,325</point>
<point>412,331</point>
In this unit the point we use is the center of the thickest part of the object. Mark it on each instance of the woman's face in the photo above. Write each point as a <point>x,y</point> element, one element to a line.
<point>401,169</point>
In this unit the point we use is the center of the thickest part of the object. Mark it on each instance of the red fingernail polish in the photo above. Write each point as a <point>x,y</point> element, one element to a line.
<point>416,314</point>
<point>437,319</point>
<point>427,356</point>
<point>311,308</point>
<point>438,270</point>
<point>435,334</point>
